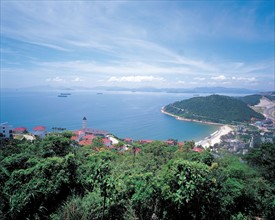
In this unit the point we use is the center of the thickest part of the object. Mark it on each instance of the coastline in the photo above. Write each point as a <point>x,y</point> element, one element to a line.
<point>191,120</point>
<point>214,138</point>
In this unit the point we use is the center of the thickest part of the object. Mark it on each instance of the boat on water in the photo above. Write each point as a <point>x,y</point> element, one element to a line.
<point>65,94</point>
<point>99,93</point>
<point>62,96</point>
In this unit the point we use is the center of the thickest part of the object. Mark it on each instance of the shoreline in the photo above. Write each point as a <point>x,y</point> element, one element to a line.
<point>214,138</point>
<point>190,120</point>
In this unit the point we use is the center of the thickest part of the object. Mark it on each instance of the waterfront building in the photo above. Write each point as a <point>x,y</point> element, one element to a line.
<point>19,130</point>
<point>128,140</point>
<point>39,131</point>
<point>5,130</point>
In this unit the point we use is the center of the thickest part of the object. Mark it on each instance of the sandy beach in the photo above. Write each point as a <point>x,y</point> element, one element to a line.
<point>214,138</point>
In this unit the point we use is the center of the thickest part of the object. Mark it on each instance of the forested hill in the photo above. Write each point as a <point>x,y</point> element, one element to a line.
<point>214,108</point>
<point>255,99</point>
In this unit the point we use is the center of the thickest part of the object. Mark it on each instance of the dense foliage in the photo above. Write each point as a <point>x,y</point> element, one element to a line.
<point>251,99</point>
<point>54,178</point>
<point>215,108</point>
<point>255,99</point>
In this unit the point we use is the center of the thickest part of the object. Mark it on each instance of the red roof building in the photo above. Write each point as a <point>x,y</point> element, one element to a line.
<point>145,141</point>
<point>79,132</point>
<point>197,149</point>
<point>137,150</point>
<point>128,140</point>
<point>89,137</point>
<point>106,142</point>
<point>39,128</point>
<point>74,138</point>
<point>169,142</point>
<point>85,142</point>
<point>19,129</point>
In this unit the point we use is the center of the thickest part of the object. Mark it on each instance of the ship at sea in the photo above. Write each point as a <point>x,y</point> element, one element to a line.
<point>64,95</point>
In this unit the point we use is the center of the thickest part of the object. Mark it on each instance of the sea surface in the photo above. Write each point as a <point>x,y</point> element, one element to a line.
<point>125,114</point>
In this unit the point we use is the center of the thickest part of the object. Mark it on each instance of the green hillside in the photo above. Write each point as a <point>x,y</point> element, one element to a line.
<point>251,99</point>
<point>214,108</point>
<point>255,99</point>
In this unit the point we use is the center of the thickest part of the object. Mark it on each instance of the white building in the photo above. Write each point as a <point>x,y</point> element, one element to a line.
<point>5,130</point>
<point>40,131</point>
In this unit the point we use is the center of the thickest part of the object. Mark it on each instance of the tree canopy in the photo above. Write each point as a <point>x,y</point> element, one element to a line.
<point>54,178</point>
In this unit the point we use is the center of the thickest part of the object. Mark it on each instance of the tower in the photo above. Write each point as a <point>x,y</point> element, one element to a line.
<point>84,123</point>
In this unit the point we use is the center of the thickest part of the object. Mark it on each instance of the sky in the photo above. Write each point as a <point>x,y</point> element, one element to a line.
<point>162,44</point>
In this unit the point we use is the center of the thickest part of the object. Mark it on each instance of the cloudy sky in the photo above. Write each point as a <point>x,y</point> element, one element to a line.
<point>181,44</point>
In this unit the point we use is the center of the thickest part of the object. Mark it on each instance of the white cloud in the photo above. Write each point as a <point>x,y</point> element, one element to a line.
<point>76,79</point>
<point>219,78</point>
<point>199,78</point>
<point>247,79</point>
<point>107,41</point>
<point>135,79</point>
<point>52,46</point>
<point>55,79</point>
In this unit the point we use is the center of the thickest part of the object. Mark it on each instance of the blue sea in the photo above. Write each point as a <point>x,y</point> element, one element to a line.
<point>125,114</point>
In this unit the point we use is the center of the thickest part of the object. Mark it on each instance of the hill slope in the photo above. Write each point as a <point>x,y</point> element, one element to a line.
<point>214,108</point>
<point>255,99</point>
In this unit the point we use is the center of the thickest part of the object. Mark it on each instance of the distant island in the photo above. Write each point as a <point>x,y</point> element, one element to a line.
<point>213,108</point>
<point>197,90</point>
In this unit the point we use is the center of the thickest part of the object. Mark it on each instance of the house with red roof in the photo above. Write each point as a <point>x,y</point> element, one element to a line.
<point>107,142</point>
<point>128,140</point>
<point>197,149</point>
<point>78,135</point>
<point>89,137</point>
<point>145,141</point>
<point>74,138</point>
<point>19,130</point>
<point>170,142</point>
<point>137,150</point>
<point>85,142</point>
<point>39,131</point>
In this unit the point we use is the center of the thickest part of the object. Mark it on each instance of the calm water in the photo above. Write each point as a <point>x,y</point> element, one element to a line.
<point>125,114</point>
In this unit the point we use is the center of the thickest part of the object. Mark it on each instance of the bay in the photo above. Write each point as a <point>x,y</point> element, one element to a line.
<point>125,114</point>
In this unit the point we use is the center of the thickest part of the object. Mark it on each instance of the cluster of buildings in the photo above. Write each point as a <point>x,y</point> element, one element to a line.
<point>245,137</point>
<point>84,137</point>
<point>7,131</point>
<point>266,123</point>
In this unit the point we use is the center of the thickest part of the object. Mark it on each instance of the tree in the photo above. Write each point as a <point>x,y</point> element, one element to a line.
<point>97,142</point>
<point>264,159</point>
<point>55,145</point>
<point>186,190</point>
<point>37,190</point>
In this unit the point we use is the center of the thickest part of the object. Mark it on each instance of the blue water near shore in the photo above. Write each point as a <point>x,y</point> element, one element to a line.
<point>125,114</point>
